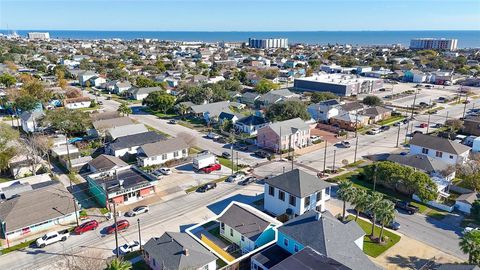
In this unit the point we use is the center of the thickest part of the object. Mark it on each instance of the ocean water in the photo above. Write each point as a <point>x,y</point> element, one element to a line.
<point>466,39</point>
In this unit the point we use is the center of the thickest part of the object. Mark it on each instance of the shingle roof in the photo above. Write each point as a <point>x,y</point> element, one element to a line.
<point>144,90</point>
<point>104,115</point>
<point>330,102</point>
<point>126,130</point>
<point>168,250</point>
<point>288,127</point>
<point>244,221</point>
<point>136,140</point>
<point>374,111</point>
<point>330,237</point>
<point>252,120</point>
<point>421,162</point>
<point>106,162</point>
<point>309,259</point>
<point>36,206</point>
<point>112,122</point>
<point>467,197</point>
<point>216,106</point>
<point>298,183</point>
<point>163,147</point>
<point>439,144</point>
<point>352,106</point>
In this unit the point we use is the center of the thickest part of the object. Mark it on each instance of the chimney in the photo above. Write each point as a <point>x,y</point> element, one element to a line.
<point>185,252</point>
<point>318,215</point>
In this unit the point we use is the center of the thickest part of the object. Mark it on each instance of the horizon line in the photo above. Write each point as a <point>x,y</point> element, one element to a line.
<point>243,31</point>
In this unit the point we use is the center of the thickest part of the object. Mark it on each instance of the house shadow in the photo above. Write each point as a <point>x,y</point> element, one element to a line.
<point>186,226</point>
<point>444,226</point>
<point>219,206</point>
<point>411,262</point>
<point>138,110</point>
<point>188,167</point>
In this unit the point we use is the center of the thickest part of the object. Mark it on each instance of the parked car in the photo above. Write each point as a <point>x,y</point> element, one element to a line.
<point>345,144</point>
<point>86,226</point>
<point>438,125</point>
<point>394,225</point>
<point>137,211</point>
<point>51,238</point>
<point>373,131</point>
<point>241,147</point>
<point>248,180</point>
<point>315,138</point>
<point>157,174</point>
<point>423,125</point>
<point>211,168</point>
<point>213,136</point>
<point>226,155</point>
<point>221,140</point>
<point>399,123</point>
<point>262,153</point>
<point>100,102</point>
<point>165,171</point>
<point>122,225</point>
<point>235,177</point>
<point>207,187</point>
<point>469,229</point>
<point>130,247</point>
<point>407,207</point>
<point>203,152</point>
<point>423,104</point>
<point>173,121</point>
<point>384,128</point>
<point>466,102</point>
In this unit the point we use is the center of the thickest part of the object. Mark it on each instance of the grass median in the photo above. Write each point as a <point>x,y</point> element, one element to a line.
<point>192,189</point>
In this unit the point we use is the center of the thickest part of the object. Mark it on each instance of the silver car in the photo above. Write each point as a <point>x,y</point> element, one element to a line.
<point>137,210</point>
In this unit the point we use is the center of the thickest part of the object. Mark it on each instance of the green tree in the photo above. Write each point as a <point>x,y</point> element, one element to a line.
<point>118,264</point>
<point>346,193</point>
<point>36,89</point>
<point>124,109</point>
<point>360,201</point>
<point>385,213</point>
<point>475,210</point>
<point>143,81</point>
<point>7,145</point>
<point>287,110</point>
<point>26,103</point>
<point>67,121</point>
<point>265,86</point>
<point>181,109</point>
<point>470,244</point>
<point>7,80</point>
<point>321,96</point>
<point>159,101</point>
<point>160,66</point>
<point>372,101</point>
<point>374,199</point>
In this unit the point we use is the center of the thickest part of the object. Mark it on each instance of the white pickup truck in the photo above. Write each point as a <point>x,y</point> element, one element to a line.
<point>52,237</point>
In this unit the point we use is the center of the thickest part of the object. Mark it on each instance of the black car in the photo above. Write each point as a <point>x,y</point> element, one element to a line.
<point>241,146</point>
<point>262,153</point>
<point>207,187</point>
<point>226,155</point>
<point>248,180</point>
<point>384,128</point>
<point>407,207</point>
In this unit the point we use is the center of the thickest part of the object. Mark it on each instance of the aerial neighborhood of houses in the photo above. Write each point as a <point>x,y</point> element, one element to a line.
<point>238,155</point>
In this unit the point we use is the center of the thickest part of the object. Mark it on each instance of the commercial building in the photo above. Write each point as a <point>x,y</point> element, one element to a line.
<point>339,84</point>
<point>434,43</point>
<point>39,35</point>
<point>268,43</point>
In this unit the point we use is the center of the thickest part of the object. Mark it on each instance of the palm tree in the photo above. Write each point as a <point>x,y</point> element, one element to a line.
<point>182,109</point>
<point>470,244</point>
<point>374,200</point>
<point>385,213</point>
<point>124,109</point>
<point>346,193</point>
<point>360,201</point>
<point>118,264</point>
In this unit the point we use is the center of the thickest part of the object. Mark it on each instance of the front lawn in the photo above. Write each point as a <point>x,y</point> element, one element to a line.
<point>17,247</point>
<point>391,120</point>
<point>370,247</point>
<point>227,163</point>
<point>192,189</point>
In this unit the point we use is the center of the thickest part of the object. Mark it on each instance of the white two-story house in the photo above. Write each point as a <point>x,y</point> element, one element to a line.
<point>324,110</point>
<point>161,151</point>
<point>440,148</point>
<point>295,192</point>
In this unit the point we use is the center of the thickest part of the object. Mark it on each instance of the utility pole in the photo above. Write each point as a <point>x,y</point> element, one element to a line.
<point>139,234</point>
<point>325,158</point>
<point>237,160</point>
<point>70,179</point>
<point>280,144</point>
<point>413,105</point>
<point>446,118</point>
<point>356,138</point>
<point>465,107</point>
<point>428,123</point>
<point>398,133</point>
<point>374,177</point>
<point>116,227</point>
<point>334,153</point>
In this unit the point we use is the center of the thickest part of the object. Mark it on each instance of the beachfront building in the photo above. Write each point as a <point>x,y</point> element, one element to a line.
<point>434,44</point>
<point>268,43</point>
<point>339,84</point>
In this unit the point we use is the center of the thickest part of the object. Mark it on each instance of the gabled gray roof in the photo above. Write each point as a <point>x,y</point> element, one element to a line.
<point>352,106</point>
<point>164,147</point>
<point>243,221</point>
<point>439,144</point>
<point>32,207</point>
<point>112,122</point>
<point>421,162</point>
<point>330,237</point>
<point>288,127</point>
<point>374,111</point>
<point>126,130</point>
<point>28,116</point>
<point>329,102</point>
<point>170,251</point>
<point>106,162</point>
<point>144,90</point>
<point>309,259</point>
<point>136,140</point>
<point>209,107</point>
<point>298,183</point>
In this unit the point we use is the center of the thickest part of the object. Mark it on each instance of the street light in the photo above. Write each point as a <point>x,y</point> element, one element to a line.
<point>139,234</point>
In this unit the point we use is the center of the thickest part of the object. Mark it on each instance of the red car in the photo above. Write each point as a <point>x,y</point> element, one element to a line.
<point>121,226</point>
<point>211,168</point>
<point>423,125</point>
<point>85,227</point>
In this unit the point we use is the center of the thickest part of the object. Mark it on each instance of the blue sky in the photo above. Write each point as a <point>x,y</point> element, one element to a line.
<point>240,15</point>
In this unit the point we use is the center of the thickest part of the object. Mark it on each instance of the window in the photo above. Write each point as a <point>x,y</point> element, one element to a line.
<point>295,247</point>
<point>292,200</point>
<point>285,242</point>
<point>319,196</point>
<point>231,232</point>
<point>271,191</point>
<point>451,157</point>
<point>327,191</point>
<point>425,151</point>
<point>164,156</point>
<point>307,201</point>
<point>184,152</point>
<point>439,154</point>
<point>154,263</point>
<point>175,154</point>
<point>243,238</point>
<point>154,158</point>
<point>281,195</point>
<point>222,226</point>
